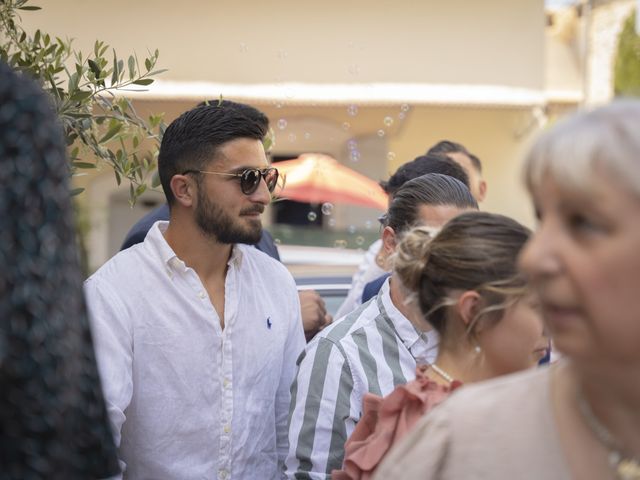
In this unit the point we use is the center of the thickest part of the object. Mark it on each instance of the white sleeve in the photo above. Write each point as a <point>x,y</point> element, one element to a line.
<point>113,342</point>
<point>293,348</point>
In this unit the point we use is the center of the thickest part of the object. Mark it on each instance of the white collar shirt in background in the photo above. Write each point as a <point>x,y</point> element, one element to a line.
<point>187,399</point>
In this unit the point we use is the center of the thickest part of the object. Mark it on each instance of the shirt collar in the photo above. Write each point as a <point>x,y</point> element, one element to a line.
<point>168,257</point>
<point>417,342</point>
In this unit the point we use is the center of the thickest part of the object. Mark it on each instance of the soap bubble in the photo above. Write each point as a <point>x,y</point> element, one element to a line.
<point>327,208</point>
<point>381,133</point>
<point>352,110</point>
<point>292,137</point>
<point>332,222</point>
<point>404,107</point>
<point>355,156</point>
<point>359,240</point>
<point>311,216</point>
<point>351,229</point>
<point>340,244</point>
<point>282,124</point>
<point>352,144</point>
<point>391,156</point>
<point>346,126</point>
<point>388,121</point>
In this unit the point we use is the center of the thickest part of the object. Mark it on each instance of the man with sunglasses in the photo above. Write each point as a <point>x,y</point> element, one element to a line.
<point>196,333</point>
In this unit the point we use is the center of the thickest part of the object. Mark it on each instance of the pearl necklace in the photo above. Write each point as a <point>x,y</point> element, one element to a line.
<point>624,467</point>
<point>441,372</point>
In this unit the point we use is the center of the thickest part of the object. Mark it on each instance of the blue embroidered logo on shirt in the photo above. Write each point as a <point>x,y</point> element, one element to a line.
<point>269,323</point>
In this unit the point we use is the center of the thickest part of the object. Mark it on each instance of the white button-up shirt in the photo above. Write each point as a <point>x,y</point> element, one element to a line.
<point>187,399</point>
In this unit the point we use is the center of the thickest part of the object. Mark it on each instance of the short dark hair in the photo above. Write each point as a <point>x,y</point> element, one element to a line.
<point>445,147</point>
<point>193,139</point>
<point>421,166</point>
<point>430,189</point>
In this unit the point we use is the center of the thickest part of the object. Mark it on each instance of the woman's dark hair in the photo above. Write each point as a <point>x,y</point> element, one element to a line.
<point>473,251</point>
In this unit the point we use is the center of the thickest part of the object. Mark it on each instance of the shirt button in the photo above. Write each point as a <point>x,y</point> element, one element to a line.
<point>227,428</point>
<point>223,474</point>
<point>226,383</point>
<point>202,294</point>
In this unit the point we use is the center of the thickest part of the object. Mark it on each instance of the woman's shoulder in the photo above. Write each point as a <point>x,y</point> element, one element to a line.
<point>493,429</point>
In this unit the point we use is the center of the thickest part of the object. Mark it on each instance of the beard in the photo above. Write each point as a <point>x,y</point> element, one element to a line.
<point>214,222</point>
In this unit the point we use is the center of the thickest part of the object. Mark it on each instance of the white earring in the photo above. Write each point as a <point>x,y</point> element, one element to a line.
<point>477,349</point>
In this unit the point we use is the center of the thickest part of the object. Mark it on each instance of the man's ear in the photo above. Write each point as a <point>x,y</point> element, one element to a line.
<point>183,188</point>
<point>468,306</point>
<point>482,190</point>
<point>389,241</point>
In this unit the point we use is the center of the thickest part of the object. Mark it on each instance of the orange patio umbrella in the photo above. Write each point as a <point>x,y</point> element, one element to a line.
<point>318,178</point>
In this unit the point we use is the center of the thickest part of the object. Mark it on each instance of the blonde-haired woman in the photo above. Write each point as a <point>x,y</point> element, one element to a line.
<point>466,283</point>
<point>581,417</point>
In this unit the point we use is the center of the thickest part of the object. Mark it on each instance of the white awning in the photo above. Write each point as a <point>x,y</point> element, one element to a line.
<point>361,94</point>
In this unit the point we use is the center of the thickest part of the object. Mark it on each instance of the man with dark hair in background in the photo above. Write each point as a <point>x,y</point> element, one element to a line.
<point>196,333</point>
<point>374,264</point>
<point>467,160</point>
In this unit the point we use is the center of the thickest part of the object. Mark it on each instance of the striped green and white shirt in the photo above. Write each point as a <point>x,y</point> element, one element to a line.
<point>373,349</point>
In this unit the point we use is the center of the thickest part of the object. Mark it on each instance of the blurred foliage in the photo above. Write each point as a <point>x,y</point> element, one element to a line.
<point>627,65</point>
<point>99,125</point>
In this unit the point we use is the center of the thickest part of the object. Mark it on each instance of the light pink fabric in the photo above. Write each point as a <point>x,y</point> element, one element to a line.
<point>387,420</point>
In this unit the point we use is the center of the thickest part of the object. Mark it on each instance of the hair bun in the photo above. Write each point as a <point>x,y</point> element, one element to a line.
<point>412,256</point>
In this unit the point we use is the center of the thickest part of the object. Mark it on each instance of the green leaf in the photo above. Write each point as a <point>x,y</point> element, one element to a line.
<point>36,37</point>
<point>116,72</point>
<point>143,81</point>
<point>155,179</point>
<point>111,133</point>
<point>132,67</point>
<point>78,115</point>
<point>30,8</point>
<point>94,68</point>
<point>118,178</point>
<point>141,189</point>
<point>80,96</point>
<point>83,165</point>
<point>136,141</point>
<point>76,191</point>
<point>73,82</point>
<point>147,64</point>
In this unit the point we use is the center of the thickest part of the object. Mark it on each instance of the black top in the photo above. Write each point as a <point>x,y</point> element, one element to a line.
<point>53,419</point>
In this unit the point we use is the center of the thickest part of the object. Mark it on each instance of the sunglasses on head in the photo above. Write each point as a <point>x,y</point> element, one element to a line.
<point>249,178</point>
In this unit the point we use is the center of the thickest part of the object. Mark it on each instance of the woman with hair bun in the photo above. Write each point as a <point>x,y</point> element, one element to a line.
<point>579,418</point>
<point>466,284</point>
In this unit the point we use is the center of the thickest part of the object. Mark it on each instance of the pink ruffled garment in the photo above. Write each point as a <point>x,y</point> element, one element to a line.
<point>386,420</point>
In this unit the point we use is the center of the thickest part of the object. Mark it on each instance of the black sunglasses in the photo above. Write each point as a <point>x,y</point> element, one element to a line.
<point>249,178</point>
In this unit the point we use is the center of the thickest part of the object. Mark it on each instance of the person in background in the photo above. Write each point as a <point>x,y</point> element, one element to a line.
<point>53,418</point>
<point>196,332</point>
<point>467,160</point>
<point>580,417</point>
<point>466,284</point>
<point>375,265</point>
<point>374,348</point>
